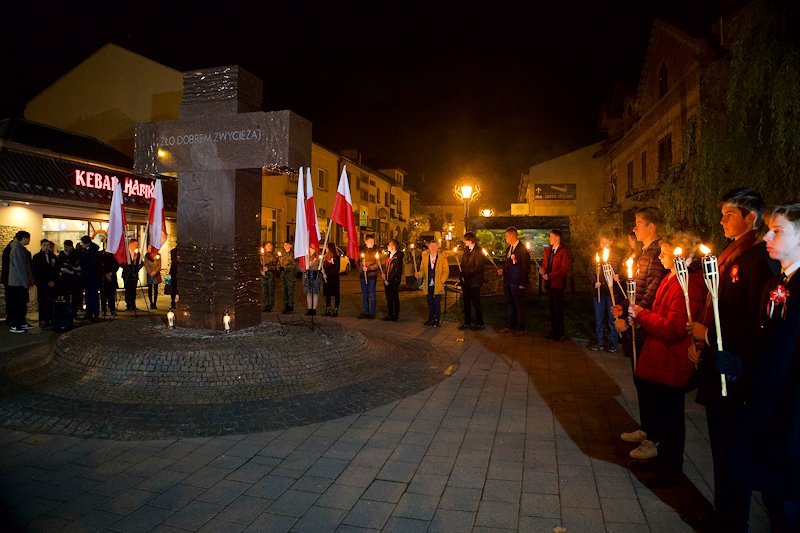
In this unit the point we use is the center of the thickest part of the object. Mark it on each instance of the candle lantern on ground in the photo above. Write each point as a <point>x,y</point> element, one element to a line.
<point>226,321</point>
<point>711,276</point>
<point>631,284</point>
<point>170,318</point>
<point>458,261</point>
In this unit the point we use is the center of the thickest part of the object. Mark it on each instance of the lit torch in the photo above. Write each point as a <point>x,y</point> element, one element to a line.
<point>682,273</point>
<point>631,283</point>
<point>711,276</point>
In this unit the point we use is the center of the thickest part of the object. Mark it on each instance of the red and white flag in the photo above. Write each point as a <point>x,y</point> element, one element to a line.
<point>157,220</point>
<point>116,228</point>
<point>300,225</point>
<point>311,214</point>
<point>343,215</point>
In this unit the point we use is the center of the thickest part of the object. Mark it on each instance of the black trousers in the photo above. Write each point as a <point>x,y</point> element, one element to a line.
<point>332,291</point>
<point>16,305</point>
<point>152,293</point>
<point>130,293</point>
<point>662,412</point>
<point>472,298</point>
<point>108,296</point>
<point>515,306</point>
<point>556,297</point>
<point>731,501</point>
<point>45,296</point>
<point>393,300</point>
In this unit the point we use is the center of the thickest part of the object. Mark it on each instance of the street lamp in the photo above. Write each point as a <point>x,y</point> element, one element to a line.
<point>466,193</point>
<point>487,212</point>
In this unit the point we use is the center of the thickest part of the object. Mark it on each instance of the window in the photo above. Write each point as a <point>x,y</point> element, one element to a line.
<point>394,199</point>
<point>644,168</point>
<point>664,154</point>
<point>630,176</point>
<point>663,82</point>
<point>399,207</point>
<point>322,178</point>
<point>386,198</point>
<point>364,196</point>
<point>378,196</point>
<point>372,182</point>
<point>372,198</point>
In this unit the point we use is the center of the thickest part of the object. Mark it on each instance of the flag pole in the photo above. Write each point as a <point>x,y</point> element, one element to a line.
<point>325,244</point>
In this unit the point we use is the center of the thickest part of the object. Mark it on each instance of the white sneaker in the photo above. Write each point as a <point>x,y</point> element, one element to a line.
<point>637,436</point>
<point>646,450</point>
<point>18,329</point>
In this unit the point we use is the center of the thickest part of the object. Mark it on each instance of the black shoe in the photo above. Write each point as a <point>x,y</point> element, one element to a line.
<point>387,318</point>
<point>269,308</point>
<point>596,347</point>
<point>611,348</point>
<point>435,324</point>
<point>309,312</point>
<point>153,306</point>
<point>464,326</point>
<point>479,327</point>
<point>428,323</point>
<point>395,319</point>
<point>363,315</point>
<point>265,310</point>
<point>370,317</point>
<point>550,336</point>
<point>327,312</point>
<point>335,312</point>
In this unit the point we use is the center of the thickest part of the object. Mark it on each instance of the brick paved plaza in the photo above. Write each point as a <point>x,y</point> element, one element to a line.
<point>522,436</point>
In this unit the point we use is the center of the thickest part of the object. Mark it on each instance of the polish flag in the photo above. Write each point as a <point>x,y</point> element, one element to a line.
<point>343,215</point>
<point>311,214</point>
<point>116,228</point>
<point>157,220</point>
<point>301,226</point>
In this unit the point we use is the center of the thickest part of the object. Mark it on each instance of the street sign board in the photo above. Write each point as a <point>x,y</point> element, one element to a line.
<point>520,209</point>
<point>555,191</point>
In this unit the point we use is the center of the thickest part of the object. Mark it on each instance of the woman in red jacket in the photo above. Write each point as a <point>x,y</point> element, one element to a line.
<point>664,367</point>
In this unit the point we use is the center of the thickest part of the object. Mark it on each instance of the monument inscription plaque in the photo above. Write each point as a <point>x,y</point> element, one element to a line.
<point>220,148</point>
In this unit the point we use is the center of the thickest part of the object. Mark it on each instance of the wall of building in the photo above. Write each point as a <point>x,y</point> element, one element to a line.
<point>107,94</point>
<point>580,167</point>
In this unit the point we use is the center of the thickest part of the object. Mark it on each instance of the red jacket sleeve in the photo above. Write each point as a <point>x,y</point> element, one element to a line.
<point>670,323</point>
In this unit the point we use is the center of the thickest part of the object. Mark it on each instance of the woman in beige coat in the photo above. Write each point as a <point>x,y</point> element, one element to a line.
<point>434,271</point>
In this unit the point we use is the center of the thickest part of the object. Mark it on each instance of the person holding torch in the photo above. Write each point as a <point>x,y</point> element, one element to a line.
<point>555,268</point>
<point>663,368</point>
<point>602,303</point>
<point>515,282</point>
<point>744,269</point>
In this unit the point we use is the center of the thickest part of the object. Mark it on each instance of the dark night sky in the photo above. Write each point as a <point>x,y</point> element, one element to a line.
<point>442,89</point>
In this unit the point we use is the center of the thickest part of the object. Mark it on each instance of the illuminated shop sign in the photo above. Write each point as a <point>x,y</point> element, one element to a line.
<point>104,182</point>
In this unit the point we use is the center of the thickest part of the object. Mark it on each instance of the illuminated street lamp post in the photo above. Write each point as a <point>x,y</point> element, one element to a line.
<point>466,193</point>
<point>487,213</point>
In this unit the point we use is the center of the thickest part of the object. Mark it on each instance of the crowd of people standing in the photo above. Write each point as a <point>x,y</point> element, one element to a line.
<point>81,276</point>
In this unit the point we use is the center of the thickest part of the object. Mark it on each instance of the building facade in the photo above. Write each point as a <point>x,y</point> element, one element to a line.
<point>656,128</point>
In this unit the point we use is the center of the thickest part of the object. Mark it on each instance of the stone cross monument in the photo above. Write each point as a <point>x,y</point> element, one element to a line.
<point>219,150</point>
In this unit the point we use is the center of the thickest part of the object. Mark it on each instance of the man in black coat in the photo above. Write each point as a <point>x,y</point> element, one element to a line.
<point>109,286</point>
<point>472,266</point>
<point>392,277</point>
<point>91,271</point>
<point>766,447</point>
<point>744,270</point>
<point>45,275</point>
<point>70,283</point>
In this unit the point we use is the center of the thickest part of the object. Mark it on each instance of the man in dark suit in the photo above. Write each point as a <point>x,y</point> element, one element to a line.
<point>45,275</point>
<point>556,266</point>
<point>471,280</point>
<point>515,282</point>
<point>766,446</point>
<point>744,270</point>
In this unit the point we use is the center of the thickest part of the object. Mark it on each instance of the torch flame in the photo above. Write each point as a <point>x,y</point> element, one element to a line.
<point>597,257</point>
<point>528,245</point>
<point>677,252</point>
<point>377,255</point>
<point>705,249</point>
<point>485,252</point>
<point>629,264</point>
<point>605,255</point>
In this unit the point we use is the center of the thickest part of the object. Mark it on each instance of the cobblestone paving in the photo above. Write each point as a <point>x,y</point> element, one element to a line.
<point>522,437</point>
